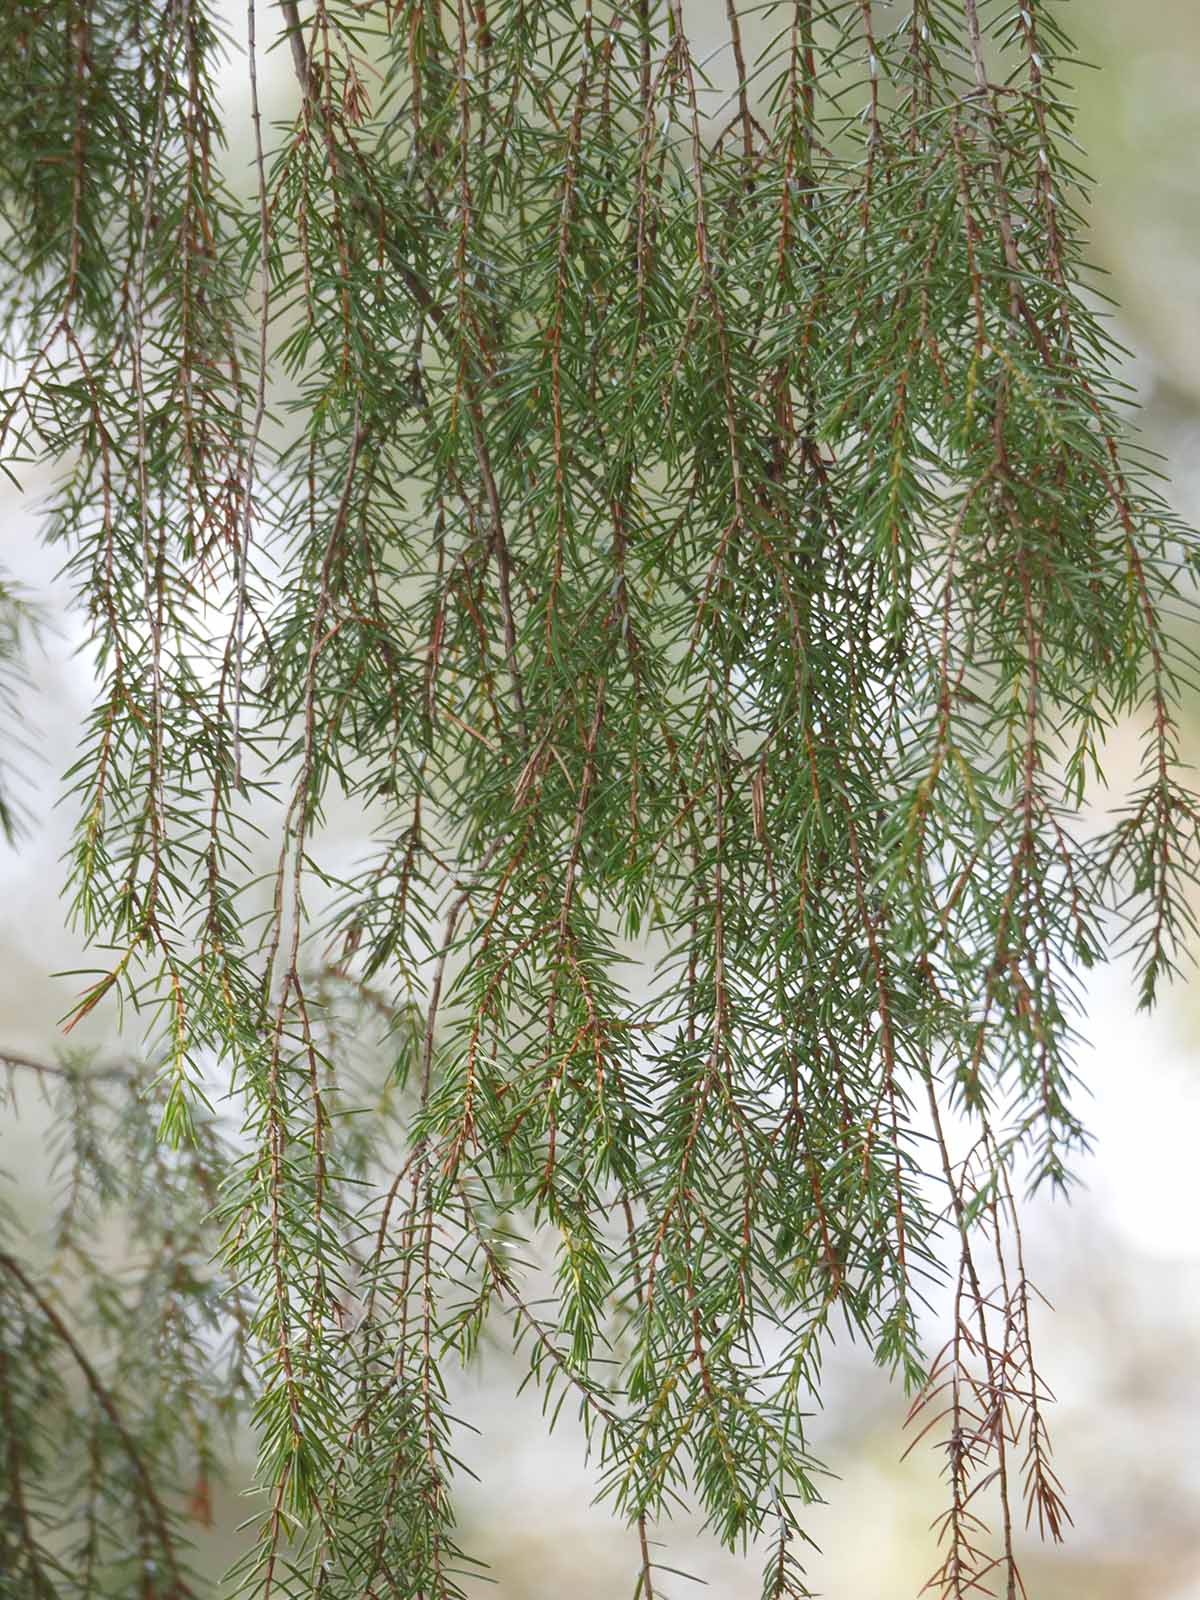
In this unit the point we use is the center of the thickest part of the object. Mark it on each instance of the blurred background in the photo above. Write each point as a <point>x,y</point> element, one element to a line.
<point>1121,1264</point>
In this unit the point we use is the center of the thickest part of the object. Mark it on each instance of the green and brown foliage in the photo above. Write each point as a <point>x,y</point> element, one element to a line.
<point>691,519</point>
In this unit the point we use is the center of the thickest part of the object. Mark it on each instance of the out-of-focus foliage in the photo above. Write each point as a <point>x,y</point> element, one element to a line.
<point>706,526</point>
<point>17,621</point>
<point>122,1370</point>
<point>1139,122</point>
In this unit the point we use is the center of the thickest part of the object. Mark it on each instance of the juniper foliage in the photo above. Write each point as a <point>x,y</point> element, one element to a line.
<point>682,501</point>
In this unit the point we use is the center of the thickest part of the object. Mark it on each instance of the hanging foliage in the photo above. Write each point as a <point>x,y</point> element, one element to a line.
<point>682,501</point>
